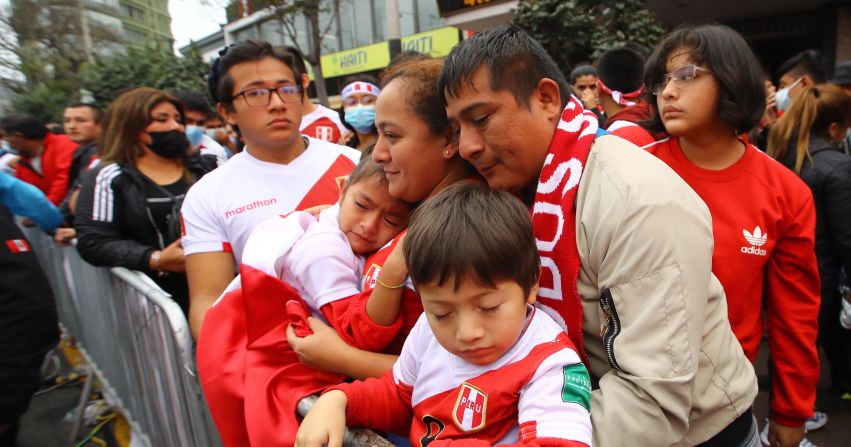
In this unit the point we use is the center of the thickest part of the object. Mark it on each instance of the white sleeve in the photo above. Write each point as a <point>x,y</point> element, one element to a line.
<point>556,402</point>
<point>406,368</point>
<point>323,263</point>
<point>201,228</point>
<point>210,146</point>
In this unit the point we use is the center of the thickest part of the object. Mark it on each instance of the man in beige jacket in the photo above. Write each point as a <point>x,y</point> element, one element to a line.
<point>666,367</point>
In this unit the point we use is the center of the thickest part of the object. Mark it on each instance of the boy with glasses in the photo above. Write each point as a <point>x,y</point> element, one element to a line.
<point>256,88</point>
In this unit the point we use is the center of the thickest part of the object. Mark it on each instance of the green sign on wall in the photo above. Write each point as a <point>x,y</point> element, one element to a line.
<point>435,43</point>
<point>356,60</point>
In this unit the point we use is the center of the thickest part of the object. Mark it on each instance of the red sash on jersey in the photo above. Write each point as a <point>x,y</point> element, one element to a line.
<point>554,218</point>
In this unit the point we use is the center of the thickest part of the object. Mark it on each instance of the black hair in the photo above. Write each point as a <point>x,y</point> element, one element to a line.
<point>516,62</point>
<point>367,169</point>
<point>298,59</point>
<point>193,101</point>
<point>721,50</point>
<point>97,112</point>
<point>28,126</point>
<point>621,69</point>
<point>581,70</point>
<point>220,82</point>
<point>469,231</point>
<point>808,62</point>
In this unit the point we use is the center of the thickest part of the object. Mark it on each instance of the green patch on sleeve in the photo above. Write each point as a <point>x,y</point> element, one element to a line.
<point>577,385</point>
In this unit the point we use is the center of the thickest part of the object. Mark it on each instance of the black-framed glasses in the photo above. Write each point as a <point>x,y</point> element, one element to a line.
<point>261,97</point>
<point>681,76</point>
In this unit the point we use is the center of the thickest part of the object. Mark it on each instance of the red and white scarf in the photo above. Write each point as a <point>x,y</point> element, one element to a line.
<point>554,218</point>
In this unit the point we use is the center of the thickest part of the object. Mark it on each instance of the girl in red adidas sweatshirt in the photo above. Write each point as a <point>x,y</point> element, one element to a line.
<point>708,89</point>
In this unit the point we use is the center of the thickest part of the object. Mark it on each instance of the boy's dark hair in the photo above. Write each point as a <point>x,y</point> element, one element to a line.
<point>298,59</point>
<point>621,69</point>
<point>516,62</point>
<point>193,101</point>
<point>469,231</point>
<point>367,169</point>
<point>808,62</point>
<point>728,57</point>
<point>220,81</point>
<point>97,112</point>
<point>28,126</point>
<point>582,70</point>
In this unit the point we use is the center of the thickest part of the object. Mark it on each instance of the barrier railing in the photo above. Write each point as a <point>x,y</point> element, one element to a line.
<point>136,340</point>
<point>138,344</point>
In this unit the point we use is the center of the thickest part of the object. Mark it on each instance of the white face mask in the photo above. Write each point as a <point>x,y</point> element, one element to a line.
<point>782,97</point>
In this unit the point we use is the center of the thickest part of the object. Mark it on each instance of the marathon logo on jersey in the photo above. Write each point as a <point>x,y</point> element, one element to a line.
<point>757,239</point>
<point>470,408</point>
<point>371,277</point>
<point>250,206</point>
<point>18,246</point>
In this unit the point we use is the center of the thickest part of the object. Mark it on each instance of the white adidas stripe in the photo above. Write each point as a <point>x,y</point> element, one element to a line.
<point>103,195</point>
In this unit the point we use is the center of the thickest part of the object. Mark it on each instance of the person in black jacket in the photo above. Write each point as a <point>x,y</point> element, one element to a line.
<point>807,139</point>
<point>128,213</point>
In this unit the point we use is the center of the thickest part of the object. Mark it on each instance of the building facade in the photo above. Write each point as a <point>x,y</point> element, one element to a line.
<point>146,23</point>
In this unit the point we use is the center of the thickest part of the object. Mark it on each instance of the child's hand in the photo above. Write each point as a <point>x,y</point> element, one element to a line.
<point>322,350</point>
<point>325,424</point>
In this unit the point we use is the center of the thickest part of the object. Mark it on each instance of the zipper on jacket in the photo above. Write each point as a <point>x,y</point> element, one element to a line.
<point>613,327</point>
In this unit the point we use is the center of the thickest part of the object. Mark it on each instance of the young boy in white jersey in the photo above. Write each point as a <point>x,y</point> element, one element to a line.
<point>293,265</point>
<point>482,364</point>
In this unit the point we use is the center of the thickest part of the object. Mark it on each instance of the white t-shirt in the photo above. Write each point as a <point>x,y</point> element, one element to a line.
<point>322,123</point>
<point>222,209</point>
<point>209,146</point>
<point>312,256</point>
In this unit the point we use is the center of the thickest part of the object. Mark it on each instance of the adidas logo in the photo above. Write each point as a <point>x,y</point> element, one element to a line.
<point>756,239</point>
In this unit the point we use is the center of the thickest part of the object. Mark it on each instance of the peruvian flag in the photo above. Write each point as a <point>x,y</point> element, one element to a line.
<point>18,245</point>
<point>251,377</point>
<point>469,413</point>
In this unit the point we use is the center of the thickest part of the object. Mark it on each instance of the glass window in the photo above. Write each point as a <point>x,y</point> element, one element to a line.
<point>429,17</point>
<point>407,16</point>
<point>273,31</point>
<point>360,19</point>
<point>347,25</point>
<point>329,41</point>
<point>378,19</point>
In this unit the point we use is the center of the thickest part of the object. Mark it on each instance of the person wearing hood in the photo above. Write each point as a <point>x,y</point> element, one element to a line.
<point>807,139</point>
<point>128,213</point>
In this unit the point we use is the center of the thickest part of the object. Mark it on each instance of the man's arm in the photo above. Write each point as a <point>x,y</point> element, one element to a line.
<point>646,244</point>
<point>208,274</point>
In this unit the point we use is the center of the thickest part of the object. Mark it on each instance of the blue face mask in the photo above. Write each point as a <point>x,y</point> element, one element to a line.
<point>782,97</point>
<point>212,132</point>
<point>194,134</point>
<point>362,118</point>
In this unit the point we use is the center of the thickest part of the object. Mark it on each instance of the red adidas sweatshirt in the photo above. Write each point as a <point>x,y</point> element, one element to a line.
<point>763,220</point>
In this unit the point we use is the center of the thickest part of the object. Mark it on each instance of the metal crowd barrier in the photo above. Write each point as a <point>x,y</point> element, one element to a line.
<point>136,340</point>
<point>138,344</point>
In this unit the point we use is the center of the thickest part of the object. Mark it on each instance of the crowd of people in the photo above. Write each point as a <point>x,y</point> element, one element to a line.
<point>475,250</point>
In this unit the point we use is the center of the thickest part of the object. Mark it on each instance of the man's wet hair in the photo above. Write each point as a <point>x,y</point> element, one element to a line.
<point>470,232</point>
<point>723,51</point>
<point>97,112</point>
<point>220,82</point>
<point>28,126</point>
<point>621,69</point>
<point>808,62</point>
<point>515,61</point>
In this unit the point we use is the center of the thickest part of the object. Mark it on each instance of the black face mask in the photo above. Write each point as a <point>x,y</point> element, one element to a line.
<point>169,144</point>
